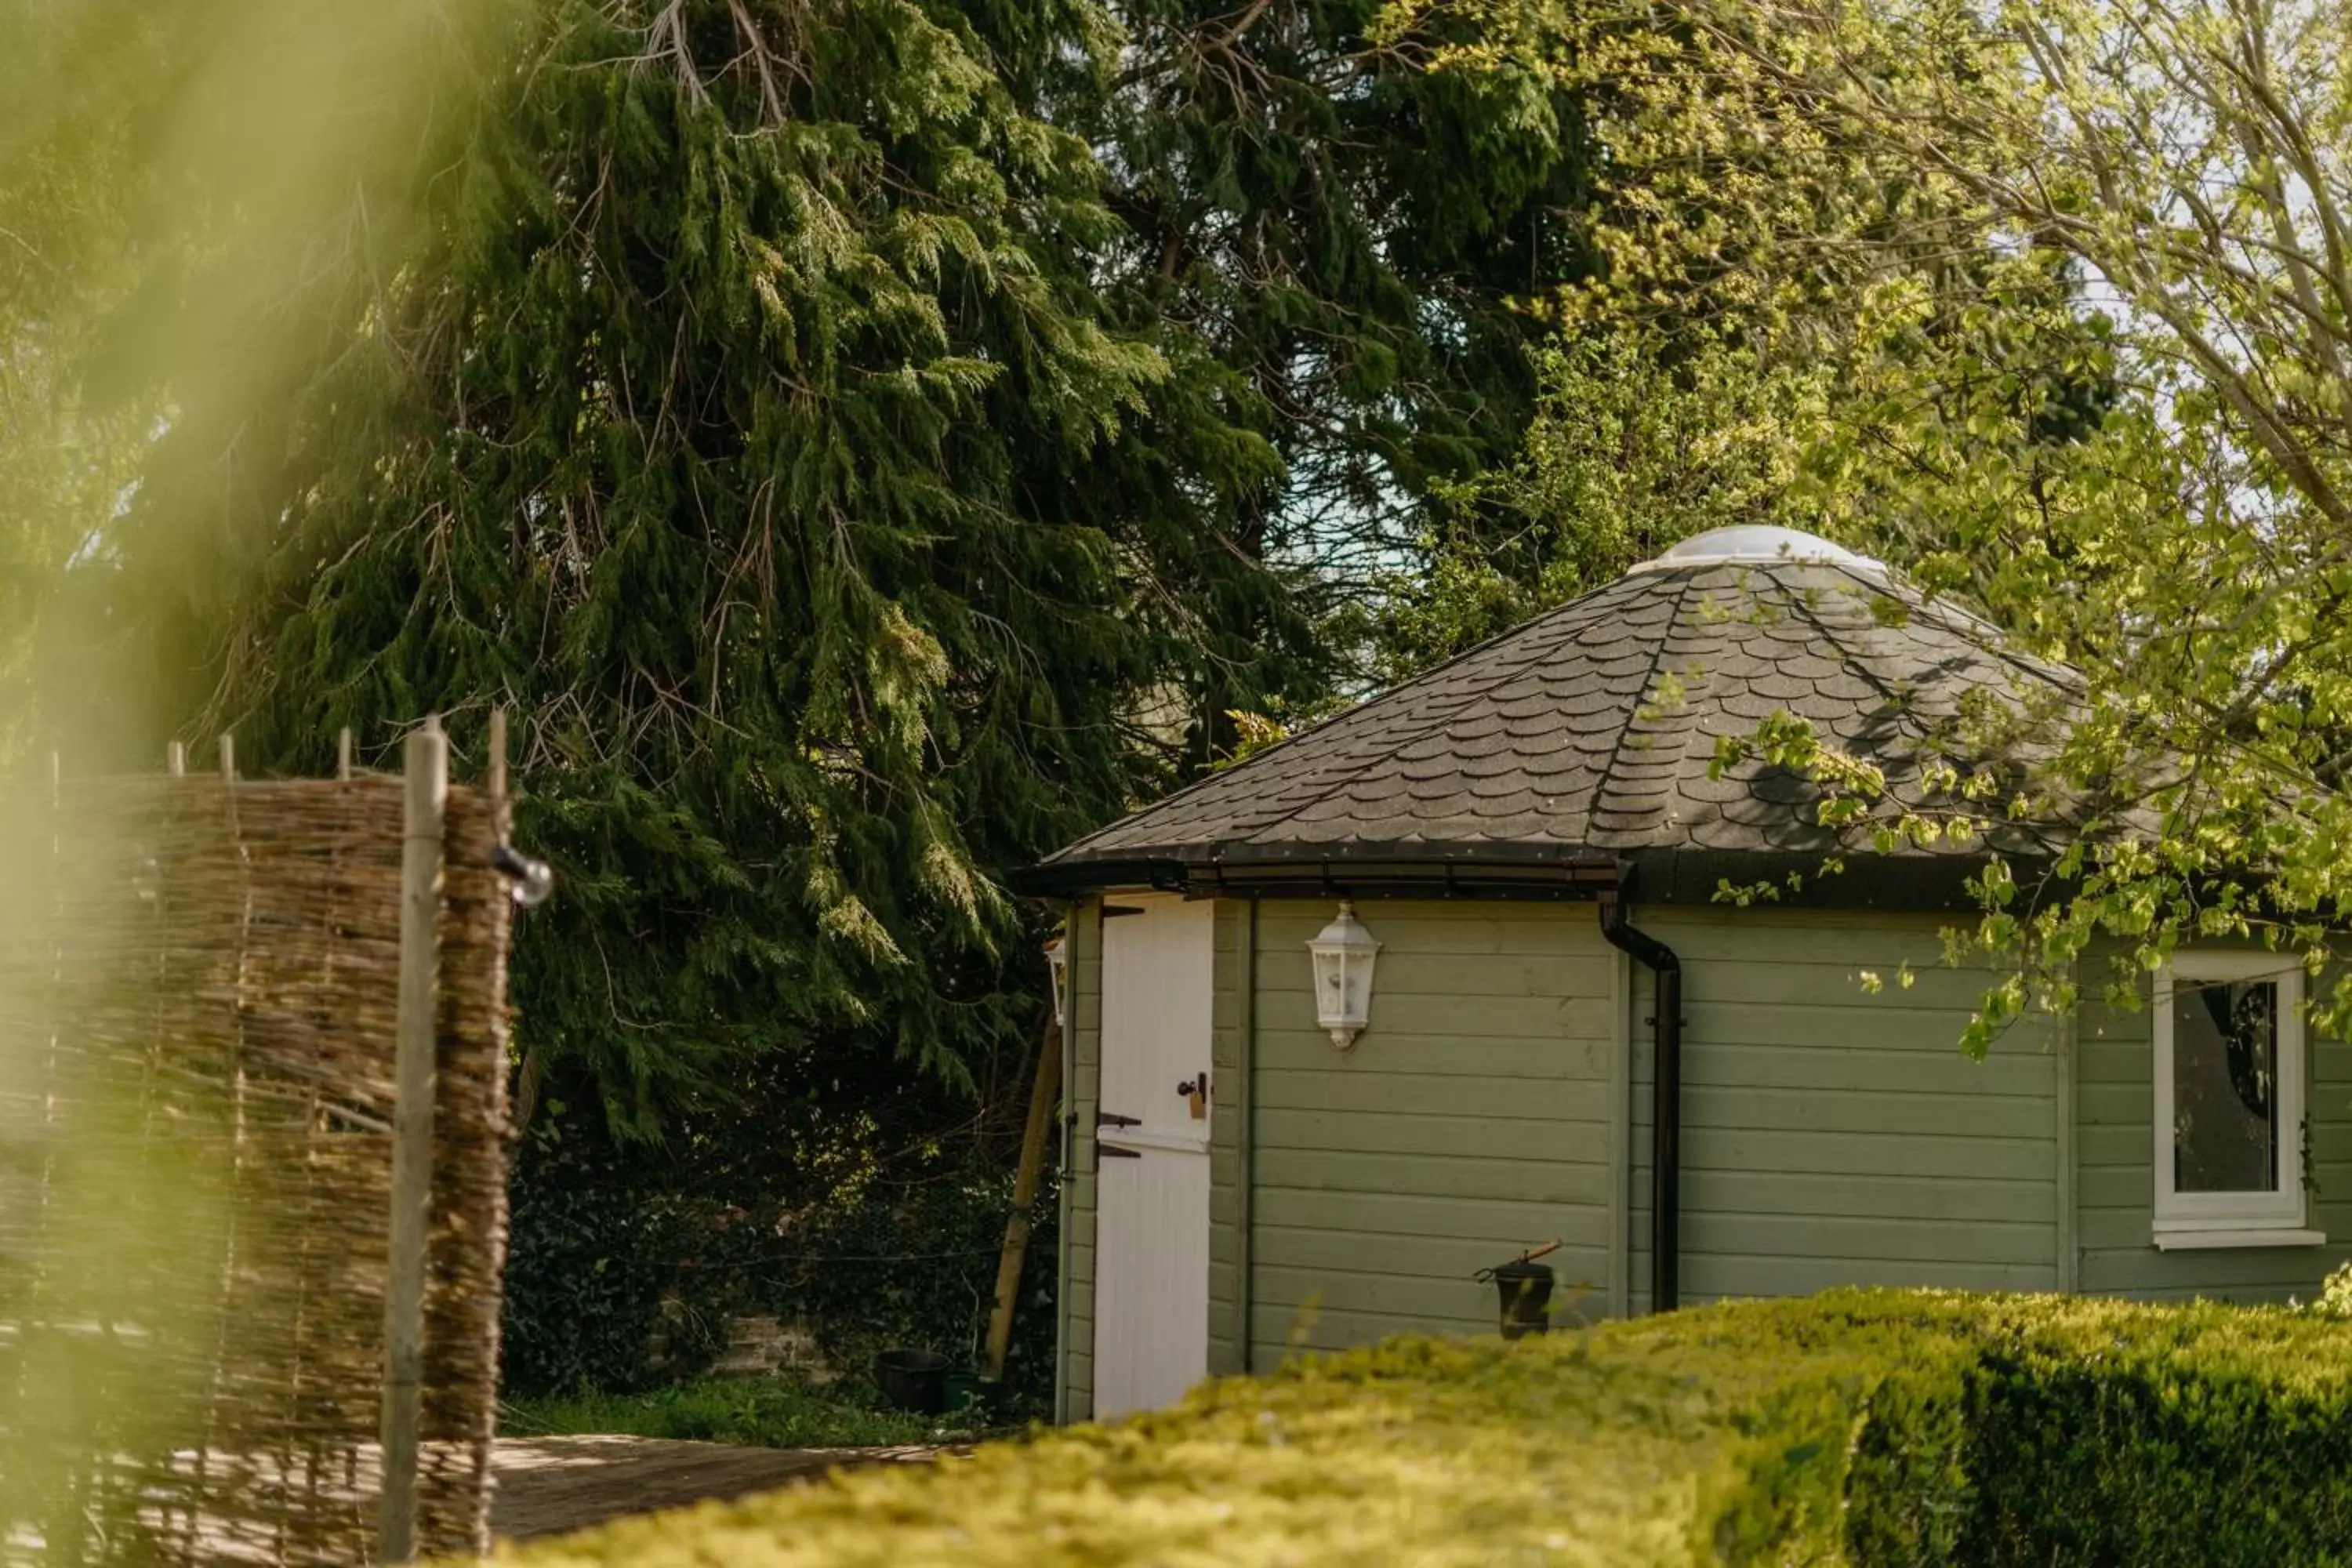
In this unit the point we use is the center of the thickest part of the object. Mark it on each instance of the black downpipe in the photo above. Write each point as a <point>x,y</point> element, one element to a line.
<point>1666,1106</point>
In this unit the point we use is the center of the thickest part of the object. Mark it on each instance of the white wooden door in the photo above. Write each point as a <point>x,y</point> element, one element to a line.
<point>1152,1241</point>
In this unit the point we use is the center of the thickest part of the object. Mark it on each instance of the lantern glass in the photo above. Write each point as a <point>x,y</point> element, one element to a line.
<point>1344,954</point>
<point>1057,972</point>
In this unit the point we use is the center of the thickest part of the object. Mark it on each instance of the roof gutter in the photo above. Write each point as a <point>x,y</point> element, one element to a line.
<point>1666,1103</point>
<point>1676,876</point>
<point>1341,871</point>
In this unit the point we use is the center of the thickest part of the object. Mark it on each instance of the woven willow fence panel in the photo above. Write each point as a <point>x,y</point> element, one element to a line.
<point>196,1084</point>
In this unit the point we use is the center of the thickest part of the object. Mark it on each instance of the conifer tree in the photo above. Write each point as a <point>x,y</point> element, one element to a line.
<point>1356,239</point>
<point>869,441</point>
<point>747,413</point>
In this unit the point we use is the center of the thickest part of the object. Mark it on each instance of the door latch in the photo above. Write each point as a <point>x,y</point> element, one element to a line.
<point>1195,1092</point>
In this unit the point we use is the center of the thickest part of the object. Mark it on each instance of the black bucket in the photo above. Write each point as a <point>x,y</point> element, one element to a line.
<point>1526,1292</point>
<point>915,1379</point>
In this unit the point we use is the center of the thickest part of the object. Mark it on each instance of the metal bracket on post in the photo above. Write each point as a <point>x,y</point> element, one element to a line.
<point>426,769</point>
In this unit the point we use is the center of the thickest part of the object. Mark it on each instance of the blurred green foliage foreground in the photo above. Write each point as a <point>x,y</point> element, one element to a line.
<point>1861,1427</point>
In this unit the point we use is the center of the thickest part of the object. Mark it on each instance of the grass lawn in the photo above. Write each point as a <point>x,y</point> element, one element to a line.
<point>757,1411</point>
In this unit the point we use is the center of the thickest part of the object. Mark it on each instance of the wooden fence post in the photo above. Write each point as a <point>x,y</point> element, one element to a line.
<point>427,766</point>
<point>1044,1091</point>
<point>497,769</point>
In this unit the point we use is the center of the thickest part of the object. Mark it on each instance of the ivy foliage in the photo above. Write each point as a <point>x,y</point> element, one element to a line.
<point>858,1203</point>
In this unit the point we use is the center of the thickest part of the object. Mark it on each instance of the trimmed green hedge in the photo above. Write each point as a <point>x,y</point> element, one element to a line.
<point>1862,1427</point>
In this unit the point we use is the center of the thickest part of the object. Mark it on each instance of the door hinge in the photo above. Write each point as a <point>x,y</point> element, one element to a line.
<point>1113,1119</point>
<point>1113,1152</point>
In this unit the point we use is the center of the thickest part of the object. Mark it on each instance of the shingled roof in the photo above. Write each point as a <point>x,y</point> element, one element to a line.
<point>1583,740</point>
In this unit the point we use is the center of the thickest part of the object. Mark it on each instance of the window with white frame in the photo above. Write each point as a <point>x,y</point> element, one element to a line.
<point>2229,1099</point>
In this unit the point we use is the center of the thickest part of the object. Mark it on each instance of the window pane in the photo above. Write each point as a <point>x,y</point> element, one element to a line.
<point>2224,1092</point>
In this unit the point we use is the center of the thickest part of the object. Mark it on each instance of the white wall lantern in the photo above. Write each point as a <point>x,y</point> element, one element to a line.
<point>1057,974</point>
<point>1344,954</point>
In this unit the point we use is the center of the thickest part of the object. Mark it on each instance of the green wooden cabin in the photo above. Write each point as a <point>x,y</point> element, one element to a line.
<point>1531,834</point>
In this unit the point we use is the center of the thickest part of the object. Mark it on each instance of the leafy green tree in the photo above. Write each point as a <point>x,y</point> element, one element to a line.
<point>1693,366</point>
<point>2185,543</point>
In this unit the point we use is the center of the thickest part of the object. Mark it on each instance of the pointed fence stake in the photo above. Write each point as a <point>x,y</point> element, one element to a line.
<point>498,779</point>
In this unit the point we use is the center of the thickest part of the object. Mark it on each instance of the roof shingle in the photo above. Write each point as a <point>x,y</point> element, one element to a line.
<point>1594,727</point>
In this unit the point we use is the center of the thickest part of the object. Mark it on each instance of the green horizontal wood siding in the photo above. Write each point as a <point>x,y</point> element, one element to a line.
<point>2115,1111</point>
<point>1471,1120</point>
<point>1229,1205</point>
<point>1834,1136</point>
<point>1831,1135</point>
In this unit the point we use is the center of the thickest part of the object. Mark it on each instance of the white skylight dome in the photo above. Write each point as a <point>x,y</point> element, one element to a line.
<point>1755,544</point>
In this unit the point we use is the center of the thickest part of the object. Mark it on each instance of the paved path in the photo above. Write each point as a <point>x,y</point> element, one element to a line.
<point>547,1486</point>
